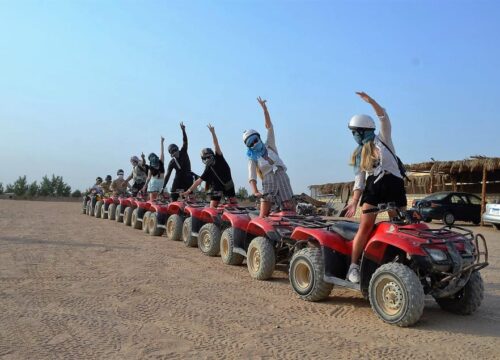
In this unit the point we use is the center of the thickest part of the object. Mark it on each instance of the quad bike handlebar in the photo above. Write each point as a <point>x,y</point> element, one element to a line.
<point>401,216</point>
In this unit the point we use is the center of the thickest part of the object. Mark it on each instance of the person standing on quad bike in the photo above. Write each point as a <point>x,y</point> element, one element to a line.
<point>263,159</point>
<point>156,172</point>
<point>182,164</point>
<point>119,185</point>
<point>378,178</point>
<point>217,174</point>
<point>106,185</point>
<point>139,174</point>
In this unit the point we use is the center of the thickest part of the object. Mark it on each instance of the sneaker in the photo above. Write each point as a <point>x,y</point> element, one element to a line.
<point>353,273</point>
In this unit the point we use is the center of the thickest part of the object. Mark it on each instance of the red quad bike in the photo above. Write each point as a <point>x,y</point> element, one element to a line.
<point>128,206</point>
<point>179,211</point>
<point>403,261</point>
<point>154,220</point>
<point>141,208</point>
<point>102,206</point>
<point>90,201</point>
<point>208,224</point>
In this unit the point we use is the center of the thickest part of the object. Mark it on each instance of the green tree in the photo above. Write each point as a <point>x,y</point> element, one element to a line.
<point>46,188</point>
<point>21,186</point>
<point>76,194</point>
<point>242,193</point>
<point>9,188</point>
<point>60,187</point>
<point>1,188</point>
<point>33,189</point>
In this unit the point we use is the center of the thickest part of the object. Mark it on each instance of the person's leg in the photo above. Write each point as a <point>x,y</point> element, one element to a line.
<point>365,228</point>
<point>265,208</point>
<point>285,191</point>
<point>214,204</point>
<point>153,196</point>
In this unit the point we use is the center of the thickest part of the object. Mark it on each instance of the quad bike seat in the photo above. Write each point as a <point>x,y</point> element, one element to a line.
<point>346,229</point>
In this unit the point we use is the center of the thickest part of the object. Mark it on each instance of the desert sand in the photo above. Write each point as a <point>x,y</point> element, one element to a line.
<point>75,287</point>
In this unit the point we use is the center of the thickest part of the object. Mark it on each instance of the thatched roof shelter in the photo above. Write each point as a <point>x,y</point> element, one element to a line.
<point>474,164</point>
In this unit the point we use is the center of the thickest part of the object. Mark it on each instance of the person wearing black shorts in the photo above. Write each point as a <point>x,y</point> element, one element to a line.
<point>378,178</point>
<point>217,174</point>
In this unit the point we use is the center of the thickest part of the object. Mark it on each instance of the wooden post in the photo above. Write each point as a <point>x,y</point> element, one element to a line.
<point>454,183</point>
<point>431,186</point>
<point>483,194</point>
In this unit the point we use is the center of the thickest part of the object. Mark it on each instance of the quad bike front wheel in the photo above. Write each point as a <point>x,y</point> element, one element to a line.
<point>261,259</point>
<point>136,224</point>
<point>209,239</point>
<point>145,221</point>
<point>127,216</point>
<point>174,227</point>
<point>118,213</point>
<point>153,222</point>
<point>396,294</point>
<point>97,209</point>
<point>187,237</point>
<point>448,218</point>
<point>229,257</point>
<point>104,214</point>
<point>468,299</point>
<point>111,211</point>
<point>307,268</point>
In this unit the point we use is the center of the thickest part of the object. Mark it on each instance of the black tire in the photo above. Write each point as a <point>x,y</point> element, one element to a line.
<point>127,216</point>
<point>104,214</point>
<point>118,213</point>
<point>396,294</point>
<point>496,226</point>
<point>209,239</point>
<point>84,206</point>
<point>97,209</point>
<point>306,273</point>
<point>174,227</point>
<point>145,222</point>
<point>90,208</point>
<point>87,208</point>
<point>135,222</point>
<point>261,259</point>
<point>448,218</point>
<point>476,221</point>
<point>153,228</point>
<point>467,300</point>
<point>229,257</point>
<point>428,220</point>
<point>187,238</point>
<point>111,211</point>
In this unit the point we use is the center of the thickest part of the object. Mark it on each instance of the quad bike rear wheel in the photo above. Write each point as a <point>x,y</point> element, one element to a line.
<point>307,268</point>
<point>229,257</point>
<point>209,239</point>
<point>396,294</point>
<point>97,209</point>
<point>135,222</point>
<point>118,213</point>
<point>145,222</point>
<point>111,211</point>
<point>467,300</point>
<point>104,214</point>
<point>87,208</point>
<point>84,206</point>
<point>127,216</point>
<point>153,222</point>
<point>187,237</point>
<point>448,218</point>
<point>261,259</point>
<point>174,227</point>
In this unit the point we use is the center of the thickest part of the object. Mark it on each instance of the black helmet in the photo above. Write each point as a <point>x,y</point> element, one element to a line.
<point>98,179</point>
<point>108,178</point>
<point>172,148</point>
<point>154,160</point>
<point>120,172</point>
<point>207,156</point>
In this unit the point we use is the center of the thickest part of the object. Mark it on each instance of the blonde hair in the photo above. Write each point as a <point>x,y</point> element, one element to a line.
<point>369,155</point>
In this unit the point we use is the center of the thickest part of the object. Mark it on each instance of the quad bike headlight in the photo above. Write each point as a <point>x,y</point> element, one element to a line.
<point>437,255</point>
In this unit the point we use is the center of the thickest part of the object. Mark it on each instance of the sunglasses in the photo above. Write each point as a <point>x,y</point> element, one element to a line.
<point>204,158</point>
<point>358,131</point>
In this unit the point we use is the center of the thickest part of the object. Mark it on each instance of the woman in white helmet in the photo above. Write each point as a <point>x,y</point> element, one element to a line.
<point>263,159</point>
<point>378,179</point>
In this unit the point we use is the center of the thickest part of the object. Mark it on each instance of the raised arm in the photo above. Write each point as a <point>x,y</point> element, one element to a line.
<point>267,117</point>
<point>162,150</point>
<point>385,123</point>
<point>215,140</point>
<point>184,137</point>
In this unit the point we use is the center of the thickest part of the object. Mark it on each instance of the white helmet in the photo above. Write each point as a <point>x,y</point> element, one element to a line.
<point>249,133</point>
<point>361,122</point>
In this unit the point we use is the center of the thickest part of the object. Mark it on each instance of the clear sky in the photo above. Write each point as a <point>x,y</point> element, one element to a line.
<point>86,84</point>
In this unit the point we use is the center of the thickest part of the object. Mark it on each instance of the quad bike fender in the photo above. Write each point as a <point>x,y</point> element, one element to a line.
<point>209,215</point>
<point>260,227</point>
<point>237,221</point>
<point>376,249</point>
<point>176,208</point>
<point>324,238</point>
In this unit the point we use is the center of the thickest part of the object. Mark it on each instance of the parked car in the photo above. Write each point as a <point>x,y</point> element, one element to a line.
<point>449,207</point>
<point>492,214</point>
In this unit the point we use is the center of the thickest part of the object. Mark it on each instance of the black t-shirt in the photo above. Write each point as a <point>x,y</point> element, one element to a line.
<point>223,171</point>
<point>157,172</point>
<point>184,162</point>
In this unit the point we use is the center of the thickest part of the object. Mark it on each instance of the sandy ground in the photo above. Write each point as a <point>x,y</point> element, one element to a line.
<point>76,287</point>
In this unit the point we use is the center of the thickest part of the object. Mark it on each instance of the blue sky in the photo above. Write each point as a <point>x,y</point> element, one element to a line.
<point>86,84</point>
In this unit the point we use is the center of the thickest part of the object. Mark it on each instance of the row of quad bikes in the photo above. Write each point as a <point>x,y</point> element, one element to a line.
<point>403,261</point>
